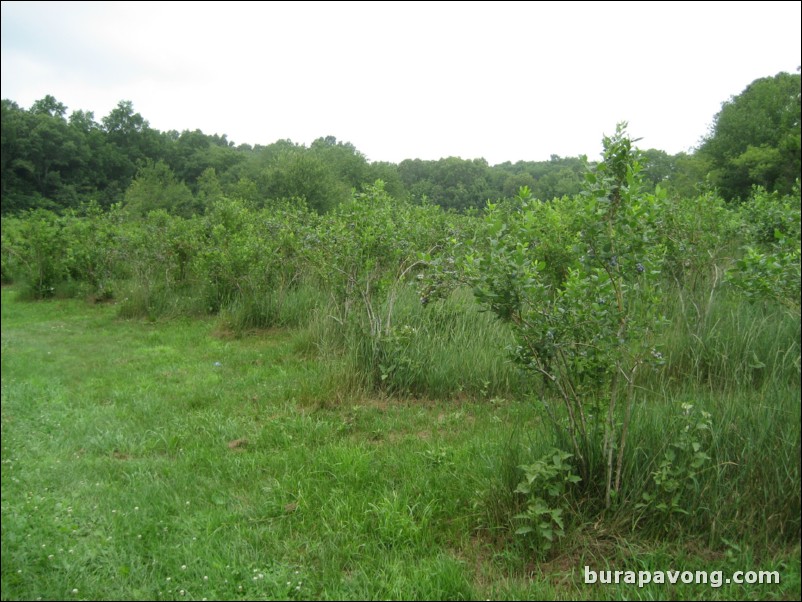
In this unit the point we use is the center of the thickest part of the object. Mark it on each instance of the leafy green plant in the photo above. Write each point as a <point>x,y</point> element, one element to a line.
<point>364,254</point>
<point>769,268</point>
<point>546,485</point>
<point>396,364</point>
<point>772,275</point>
<point>92,254</point>
<point>585,307</point>
<point>768,217</point>
<point>678,473</point>
<point>158,253</point>
<point>36,252</point>
<point>697,233</point>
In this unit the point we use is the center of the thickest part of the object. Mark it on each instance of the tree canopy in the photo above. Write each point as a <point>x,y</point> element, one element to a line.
<point>55,159</point>
<point>755,139</point>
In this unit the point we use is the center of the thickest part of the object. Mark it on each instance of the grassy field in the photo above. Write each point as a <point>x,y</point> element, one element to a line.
<point>170,460</point>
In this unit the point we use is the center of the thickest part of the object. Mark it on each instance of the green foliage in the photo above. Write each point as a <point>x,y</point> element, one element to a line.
<point>382,289</point>
<point>42,159</point>
<point>251,260</point>
<point>677,481</point>
<point>157,253</point>
<point>773,275</point>
<point>209,188</point>
<point>417,484</point>
<point>395,362</point>
<point>34,252</point>
<point>755,139</point>
<point>300,175</point>
<point>54,161</point>
<point>70,255</point>
<point>697,233</point>
<point>347,164</point>
<point>768,219</point>
<point>191,154</point>
<point>722,342</point>
<point>585,306</point>
<point>244,189</point>
<point>92,249</point>
<point>689,176</point>
<point>559,177</point>
<point>769,268</point>
<point>156,188</point>
<point>364,255</point>
<point>547,484</point>
<point>452,183</point>
<point>229,250</point>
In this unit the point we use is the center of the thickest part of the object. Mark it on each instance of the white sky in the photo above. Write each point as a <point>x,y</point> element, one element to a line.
<point>402,80</point>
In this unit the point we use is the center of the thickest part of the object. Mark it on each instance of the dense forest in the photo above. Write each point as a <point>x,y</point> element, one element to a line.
<point>57,161</point>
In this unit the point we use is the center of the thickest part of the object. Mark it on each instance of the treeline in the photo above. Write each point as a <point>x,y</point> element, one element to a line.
<point>54,161</point>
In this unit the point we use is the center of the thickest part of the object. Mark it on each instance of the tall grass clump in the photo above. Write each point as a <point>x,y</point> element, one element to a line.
<point>285,307</point>
<point>717,466</point>
<point>724,342</point>
<point>448,350</point>
<point>732,369</point>
<point>451,349</point>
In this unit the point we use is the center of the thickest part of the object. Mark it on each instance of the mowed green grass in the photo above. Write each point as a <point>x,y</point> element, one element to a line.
<point>170,461</point>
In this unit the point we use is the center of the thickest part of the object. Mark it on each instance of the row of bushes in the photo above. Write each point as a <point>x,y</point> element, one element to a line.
<point>379,267</point>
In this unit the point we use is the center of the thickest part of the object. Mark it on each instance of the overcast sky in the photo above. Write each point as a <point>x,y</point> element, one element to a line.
<point>499,80</point>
